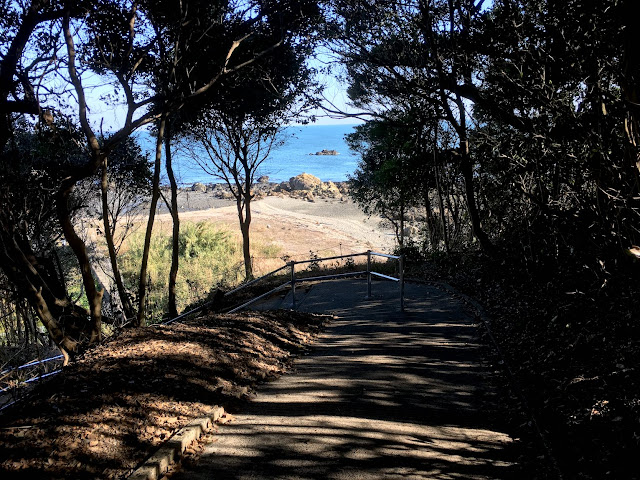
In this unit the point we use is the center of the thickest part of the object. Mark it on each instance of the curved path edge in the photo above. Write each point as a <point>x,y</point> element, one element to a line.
<point>384,394</point>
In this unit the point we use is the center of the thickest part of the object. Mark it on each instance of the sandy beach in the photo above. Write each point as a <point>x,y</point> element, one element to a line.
<point>326,226</point>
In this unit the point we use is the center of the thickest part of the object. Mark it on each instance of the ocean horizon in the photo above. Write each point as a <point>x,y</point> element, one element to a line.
<point>295,156</point>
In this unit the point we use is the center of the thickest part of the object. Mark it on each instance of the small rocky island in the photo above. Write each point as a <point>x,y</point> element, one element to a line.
<point>326,152</point>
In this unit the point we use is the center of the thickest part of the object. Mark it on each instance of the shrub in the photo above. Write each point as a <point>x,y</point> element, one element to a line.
<point>209,257</point>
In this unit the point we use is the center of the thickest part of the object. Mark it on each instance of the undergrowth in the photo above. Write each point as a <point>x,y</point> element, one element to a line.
<point>570,334</point>
<point>209,257</point>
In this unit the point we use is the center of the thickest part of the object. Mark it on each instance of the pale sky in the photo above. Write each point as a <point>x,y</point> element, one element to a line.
<point>112,114</point>
<point>334,92</point>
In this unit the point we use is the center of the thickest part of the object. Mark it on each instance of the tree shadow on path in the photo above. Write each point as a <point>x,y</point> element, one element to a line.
<point>384,395</point>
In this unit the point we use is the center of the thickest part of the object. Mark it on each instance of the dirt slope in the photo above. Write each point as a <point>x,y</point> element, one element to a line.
<point>102,416</point>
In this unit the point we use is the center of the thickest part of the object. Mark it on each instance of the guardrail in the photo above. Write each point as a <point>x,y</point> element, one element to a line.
<point>32,363</point>
<point>241,287</point>
<point>294,280</point>
<point>400,278</point>
<point>6,391</point>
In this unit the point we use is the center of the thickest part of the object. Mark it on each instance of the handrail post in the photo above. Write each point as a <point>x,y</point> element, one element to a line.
<point>293,284</point>
<point>368,274</point>
<point>401,276</point>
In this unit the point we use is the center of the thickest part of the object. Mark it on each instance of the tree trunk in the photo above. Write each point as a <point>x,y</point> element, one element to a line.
<point>60,270</point>
<point>94,296</point>
<point>66,344</point>
<point>244,210</point>
<point>466,168</point>
<point>125,301</point>
<point>443,216</point>
<point>175,245</point>
<point>155,195</point>
<point>23,270</point>
<point>244,215</point>
<point>467,174</point>
<point>401,241</point>
<point>246,251</point>
<point>428,211</point>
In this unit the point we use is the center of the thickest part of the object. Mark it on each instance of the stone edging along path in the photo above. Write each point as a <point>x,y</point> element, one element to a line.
<point>173,449</point>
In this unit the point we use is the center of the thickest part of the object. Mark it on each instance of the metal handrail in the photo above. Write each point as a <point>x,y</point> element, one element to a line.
<point>382,275</point>
<point>377,254</point>
<point>332,277</point>
<point>400,278</point>
<point>253,300</point>
<point>294,280</point>
<point>32,363</point>
<point>33,379</point>
<point>331,258</point>
<point>205,305</point>
<point>245,285</point>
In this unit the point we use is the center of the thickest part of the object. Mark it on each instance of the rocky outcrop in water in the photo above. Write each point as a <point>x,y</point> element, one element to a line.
<point>326,152</point>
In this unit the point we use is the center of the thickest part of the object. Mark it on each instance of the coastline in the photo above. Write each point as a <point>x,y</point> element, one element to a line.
<point>297,154</point>
<point>319,218</point>
<point>201,196</point>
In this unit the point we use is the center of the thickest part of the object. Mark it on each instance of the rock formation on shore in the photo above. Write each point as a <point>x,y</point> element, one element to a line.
<point>304,186</point>
<point>304,181</point>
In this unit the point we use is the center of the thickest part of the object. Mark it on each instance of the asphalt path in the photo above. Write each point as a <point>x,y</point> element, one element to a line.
<point>383,395</point>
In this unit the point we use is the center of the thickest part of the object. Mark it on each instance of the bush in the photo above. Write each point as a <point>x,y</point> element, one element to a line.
<point>209,258</point>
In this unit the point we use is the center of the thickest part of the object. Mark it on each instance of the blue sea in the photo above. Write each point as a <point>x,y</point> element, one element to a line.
<point>286,161</point>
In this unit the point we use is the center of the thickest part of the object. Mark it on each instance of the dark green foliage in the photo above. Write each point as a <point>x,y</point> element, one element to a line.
<point>32,165</point>
<point>210,52</point>
<point>540,84</point>
<point>130,169</point>
<point>392,173</point>
<point>549,92</point>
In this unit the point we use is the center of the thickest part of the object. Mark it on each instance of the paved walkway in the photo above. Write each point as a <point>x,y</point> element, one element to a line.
<point>384,395</point>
